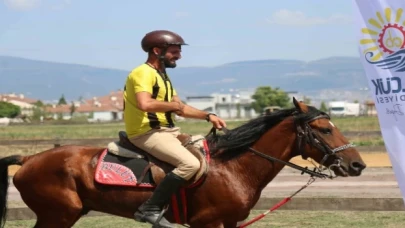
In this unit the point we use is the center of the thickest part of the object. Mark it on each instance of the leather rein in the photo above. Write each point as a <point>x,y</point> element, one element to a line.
<point>306,135</point>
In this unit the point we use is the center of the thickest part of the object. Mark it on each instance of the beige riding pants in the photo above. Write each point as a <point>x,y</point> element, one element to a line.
<point>164,145</point>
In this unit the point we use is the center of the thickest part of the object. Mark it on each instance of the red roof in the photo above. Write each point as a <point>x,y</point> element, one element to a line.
<point>15,97</point>
<point>109,103</point>
<point>115,98</point>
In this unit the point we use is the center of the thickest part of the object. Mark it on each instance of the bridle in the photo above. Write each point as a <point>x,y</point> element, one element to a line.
<point>306,135</point>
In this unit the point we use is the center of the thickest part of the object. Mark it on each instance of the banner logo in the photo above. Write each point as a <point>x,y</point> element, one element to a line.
<point>384,40</point>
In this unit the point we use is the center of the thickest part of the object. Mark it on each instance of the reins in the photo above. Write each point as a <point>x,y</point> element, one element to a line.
<point>276,206</point>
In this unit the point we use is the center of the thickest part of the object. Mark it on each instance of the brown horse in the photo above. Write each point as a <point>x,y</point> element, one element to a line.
<point>59,184</point>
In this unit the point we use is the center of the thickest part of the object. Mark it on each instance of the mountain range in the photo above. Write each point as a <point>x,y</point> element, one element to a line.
<point>329,78</point>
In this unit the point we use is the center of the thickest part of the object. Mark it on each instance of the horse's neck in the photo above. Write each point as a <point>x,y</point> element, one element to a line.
<point>257,171</point>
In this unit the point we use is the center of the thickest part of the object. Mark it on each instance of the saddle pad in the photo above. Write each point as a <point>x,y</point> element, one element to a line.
<point>121,171</point>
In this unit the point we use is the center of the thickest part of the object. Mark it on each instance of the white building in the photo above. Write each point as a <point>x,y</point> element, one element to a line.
<point>97,109</point>
<point>26,104</point>
<point>344,108</point>
<point>227,106</point>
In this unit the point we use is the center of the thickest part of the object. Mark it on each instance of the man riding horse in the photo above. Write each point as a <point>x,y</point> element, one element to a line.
<point>149,103</point>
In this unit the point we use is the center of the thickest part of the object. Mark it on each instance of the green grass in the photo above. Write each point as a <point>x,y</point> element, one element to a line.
<point>362,123</point>
<point>110,130</point>
<point>277,219</point>
<point>368,141</point>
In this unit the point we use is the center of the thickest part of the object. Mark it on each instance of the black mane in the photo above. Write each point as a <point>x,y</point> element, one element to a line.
<point>238,140</point>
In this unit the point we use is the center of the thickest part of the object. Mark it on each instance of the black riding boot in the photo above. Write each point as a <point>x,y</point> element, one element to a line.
<point>151,209</point>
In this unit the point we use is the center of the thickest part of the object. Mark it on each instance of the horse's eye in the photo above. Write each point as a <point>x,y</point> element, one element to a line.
<point>326,131</point>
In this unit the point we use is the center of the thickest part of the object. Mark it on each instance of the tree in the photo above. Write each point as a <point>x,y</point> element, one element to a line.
<point>267,96</point>
<point>323,107</point>
<point>39,104</point>
<point>37,113</point>
<point>62,100</point>
<point>72,109</point>
<point>9,110</point>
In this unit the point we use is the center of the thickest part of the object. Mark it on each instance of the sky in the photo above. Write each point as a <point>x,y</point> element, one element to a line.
<point>108,33</point>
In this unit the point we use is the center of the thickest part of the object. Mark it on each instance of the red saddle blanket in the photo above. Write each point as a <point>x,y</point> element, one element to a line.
<point>121,171</point>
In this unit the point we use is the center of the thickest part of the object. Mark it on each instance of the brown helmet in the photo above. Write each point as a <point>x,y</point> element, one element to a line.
<point>161,38</point>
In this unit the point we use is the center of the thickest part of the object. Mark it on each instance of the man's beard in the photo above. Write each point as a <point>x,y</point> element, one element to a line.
<point>168,64</point>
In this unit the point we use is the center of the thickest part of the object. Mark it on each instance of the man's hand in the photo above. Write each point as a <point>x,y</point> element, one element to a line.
<point>217,122</point>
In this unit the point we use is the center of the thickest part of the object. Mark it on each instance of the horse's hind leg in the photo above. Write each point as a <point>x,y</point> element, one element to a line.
<point>63,212</point>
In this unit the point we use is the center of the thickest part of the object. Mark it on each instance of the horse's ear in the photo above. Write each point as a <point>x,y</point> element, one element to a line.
<point>300,105</point>
<point>296,104</point>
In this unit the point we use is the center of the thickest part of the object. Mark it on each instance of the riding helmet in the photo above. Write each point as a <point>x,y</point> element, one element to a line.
<point>162,39</point>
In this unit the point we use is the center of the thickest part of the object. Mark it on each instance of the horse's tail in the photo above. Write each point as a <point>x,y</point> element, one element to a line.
<point>4,164</point>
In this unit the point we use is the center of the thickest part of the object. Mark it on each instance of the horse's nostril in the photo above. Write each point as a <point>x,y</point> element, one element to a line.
<point>358,166</point>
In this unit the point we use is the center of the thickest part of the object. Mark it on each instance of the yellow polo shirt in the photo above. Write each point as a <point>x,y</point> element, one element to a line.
<point>144,78</point>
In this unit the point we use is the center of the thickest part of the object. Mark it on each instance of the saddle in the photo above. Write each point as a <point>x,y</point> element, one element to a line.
<point>158,169</point>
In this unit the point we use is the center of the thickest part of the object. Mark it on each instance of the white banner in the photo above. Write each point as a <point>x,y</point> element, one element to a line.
<point>381,39</point>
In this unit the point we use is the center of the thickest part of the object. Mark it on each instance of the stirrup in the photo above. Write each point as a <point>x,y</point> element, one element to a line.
<point>156,224</point>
